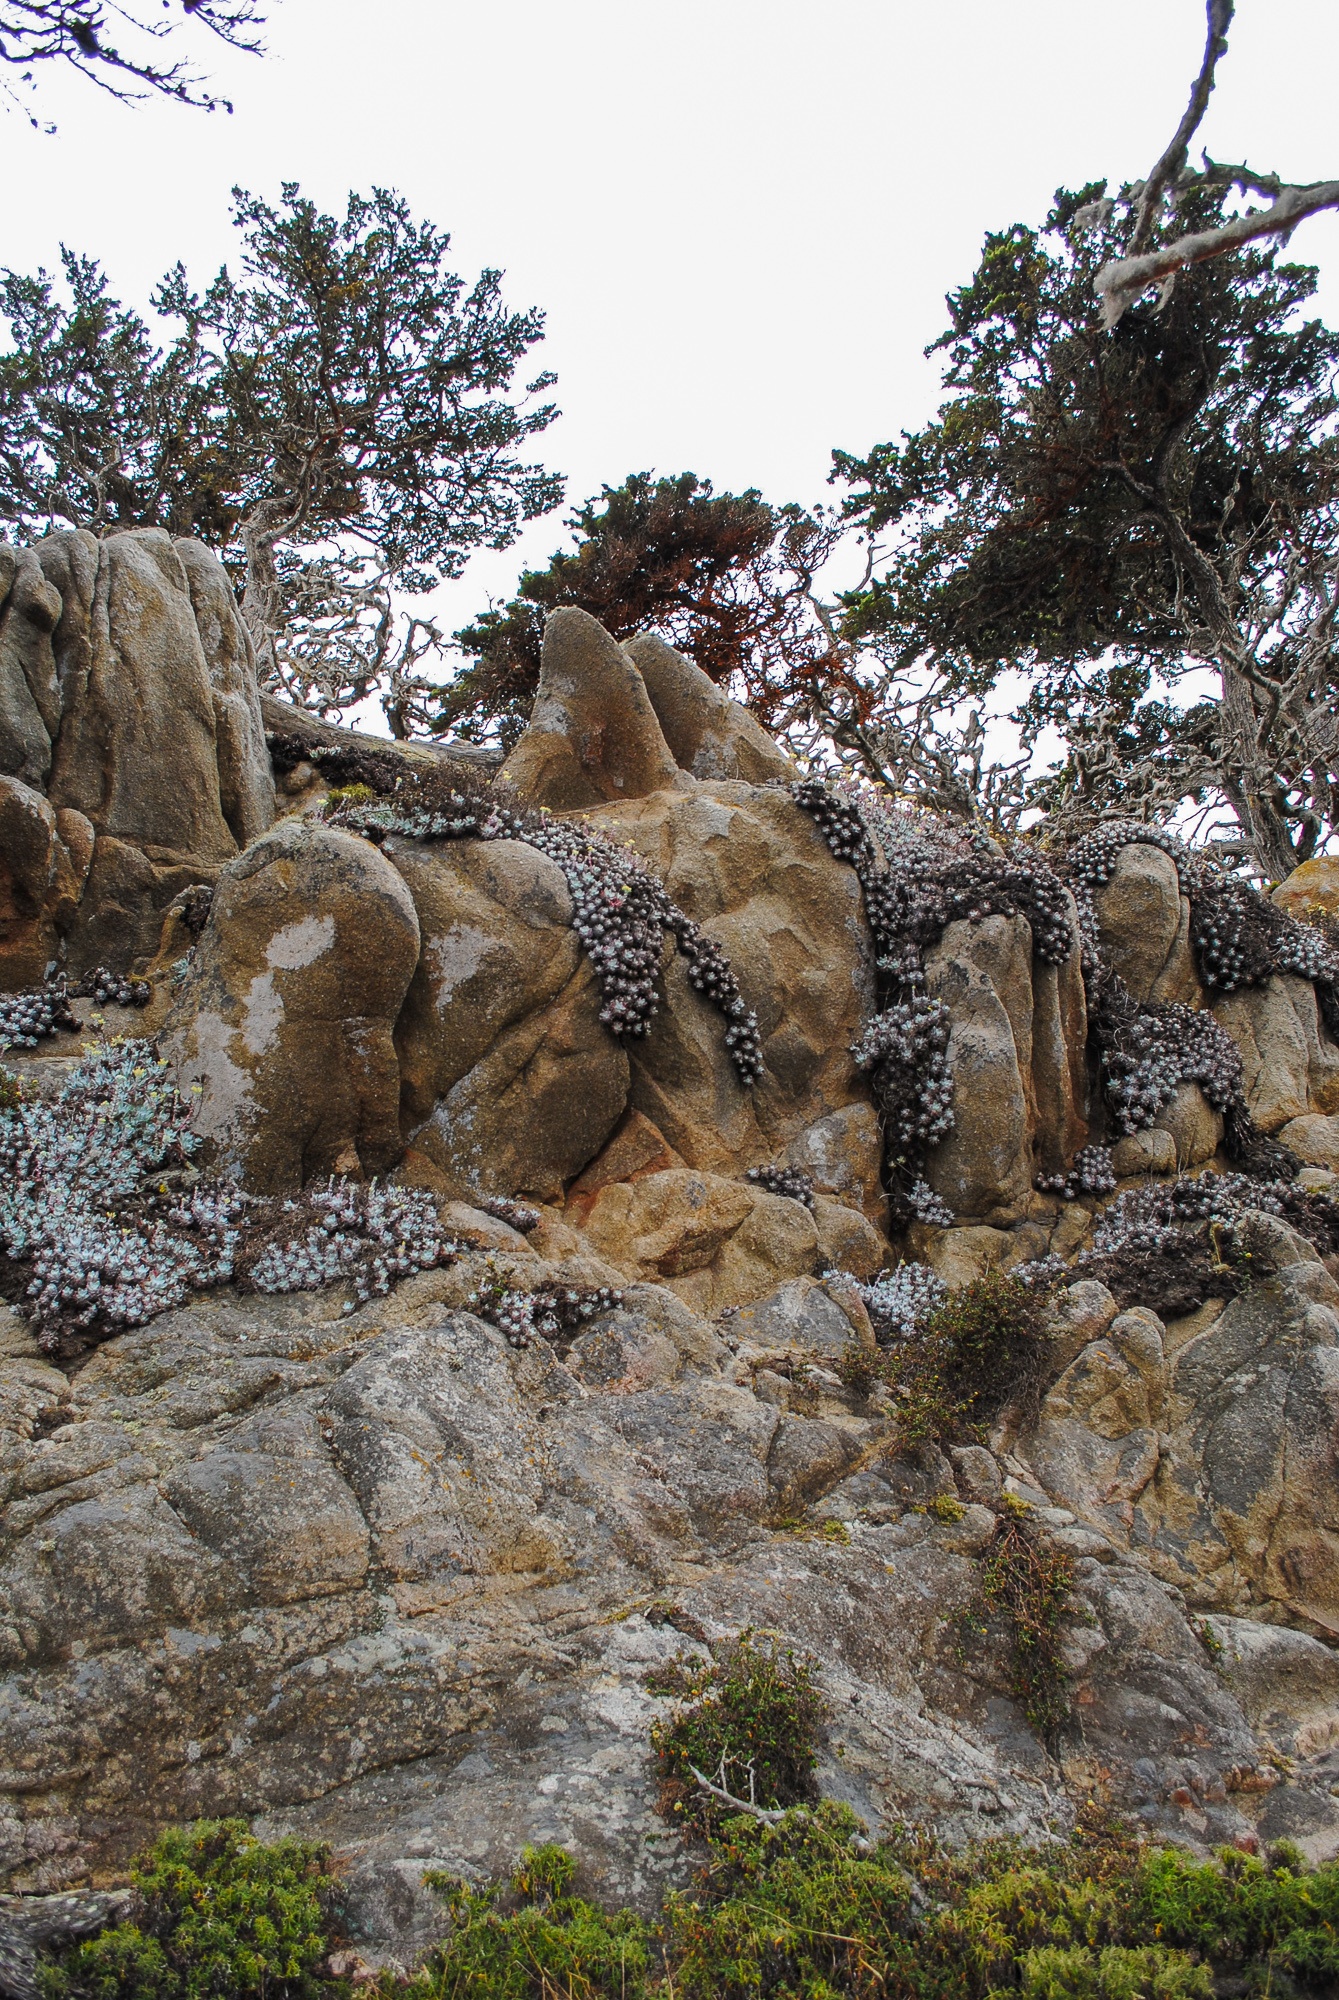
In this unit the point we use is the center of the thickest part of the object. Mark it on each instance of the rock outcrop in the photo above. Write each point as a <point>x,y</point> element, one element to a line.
<point>401,1576</point>
<point>128,697</point>
<point>283,1025</point>
<point>382,1579</point>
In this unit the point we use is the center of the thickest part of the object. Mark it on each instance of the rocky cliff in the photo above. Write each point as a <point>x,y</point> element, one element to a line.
<point>695,1085</point>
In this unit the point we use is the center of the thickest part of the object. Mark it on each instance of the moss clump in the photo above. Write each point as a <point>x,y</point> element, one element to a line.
<point>215,1912</point>
<point>748,1722</point>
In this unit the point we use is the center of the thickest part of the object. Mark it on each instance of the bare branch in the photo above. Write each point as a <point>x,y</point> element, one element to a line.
<point>769,1815</point>
<point>1120,283</point>
<point>1174,159</point>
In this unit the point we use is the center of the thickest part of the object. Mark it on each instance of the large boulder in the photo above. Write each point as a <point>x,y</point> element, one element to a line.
<point>1290,1066</point>
<point>709,735</point>
<point>593,734</point>
<point>1145,926</point>
<point>284,1019</point>
<point>983,973</point>
<point>753,870</point>
<point>1213,1448</point>
<point>1311,890</point>
<point>509,1082</point>
<point>41,879</point>
<point>128,695</point>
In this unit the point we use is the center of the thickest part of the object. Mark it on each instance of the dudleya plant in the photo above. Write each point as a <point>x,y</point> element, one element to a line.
<point>100,1207</point>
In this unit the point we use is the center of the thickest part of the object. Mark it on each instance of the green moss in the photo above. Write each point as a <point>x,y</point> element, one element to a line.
<point>215,1912</point>
<point>747,1721</point>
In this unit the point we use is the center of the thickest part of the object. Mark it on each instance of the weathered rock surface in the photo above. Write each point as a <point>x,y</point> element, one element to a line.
<point>1145,923</point>
<point>508,1080</point>
<point>128,695</point>
<point>1312,889</point>
<point>1212,1447</point>
<point>593,734</point>
<point>709,735</point>
<point>753,870</point>
<point>42,876</point>
<point>1290,1065</point>
<point>284,1020</point>
<point>381,1578</point>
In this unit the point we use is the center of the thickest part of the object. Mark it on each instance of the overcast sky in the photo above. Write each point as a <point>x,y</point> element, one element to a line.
<point>741,216</point>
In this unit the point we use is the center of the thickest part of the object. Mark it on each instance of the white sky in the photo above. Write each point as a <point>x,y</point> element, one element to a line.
<point>740,215</point>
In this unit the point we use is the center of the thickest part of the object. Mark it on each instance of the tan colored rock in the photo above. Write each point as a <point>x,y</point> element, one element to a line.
<point>1311,890</point>
<point>1150,1152</point>
<point>509,1081</point>
<point>30,704</point>
<point>138,750</point>
<point>843,1156</point>
<point>709,735</point>
<point>754,871</point>
<point>983,973</point>
<point>960,1255</point>
<point>848,1240</point>
<point>1195,1128</point>
<point>246,783</point>
<point>593,734</point>
<point>669,1223</point>
<point>1059,1079</point>
<point>1314,1139</point>
<point>716,1242</point>
<point>29,872</point>
<point>637,1148</point>
<point>1145,926</point>
<point>127,691</point>
<point>1290,1067</point>
<point>285,1017</point>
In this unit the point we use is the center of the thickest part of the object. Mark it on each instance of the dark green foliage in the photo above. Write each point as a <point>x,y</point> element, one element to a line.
<point>747,1721</point>
<point>723,576</point>
<point>983,1347</point>
<point>345,386</point>
<point>534,1938</point>
<point>803,1909</point>
<point>1103,507</point>
<point>1027,1583</point>
<point>791,1909</point>
<point>216,1913</point>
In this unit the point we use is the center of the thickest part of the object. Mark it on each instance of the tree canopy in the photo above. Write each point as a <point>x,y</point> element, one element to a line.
<point>334,417</point>
<point>1115,510</point>
<point>726,577</point>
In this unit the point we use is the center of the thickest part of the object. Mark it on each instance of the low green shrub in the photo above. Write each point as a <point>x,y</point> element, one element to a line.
<point>800,1909</point>
<point>747,1721</point>
<point>531,1937</point>
<point>215,1912</point>
<point>985,1346</point>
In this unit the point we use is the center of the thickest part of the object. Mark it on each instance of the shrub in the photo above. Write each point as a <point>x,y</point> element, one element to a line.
<point>533,1938</point>
<point>981,1347</point>
<point>215,1912</point>
<point>747,1722</point>
<point>1027,1582</point>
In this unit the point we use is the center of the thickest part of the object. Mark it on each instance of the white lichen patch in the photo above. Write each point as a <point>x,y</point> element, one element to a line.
<point>301,944</point>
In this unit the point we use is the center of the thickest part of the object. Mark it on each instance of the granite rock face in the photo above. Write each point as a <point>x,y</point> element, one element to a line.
<point>284,1021</point>
<point>1211,1447</point>
<point>128,697</point>
<point>709,735</point>
<point>383,1579</point>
